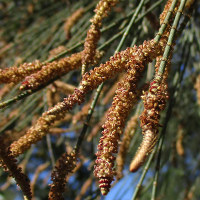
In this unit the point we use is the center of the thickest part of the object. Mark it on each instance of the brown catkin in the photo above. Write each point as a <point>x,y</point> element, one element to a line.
<point>154,102</point>
<point>113,127</point>
<point>93,34</point>
<point>16,74</point>
<point>51,71</point>
<point>64,166</point>
<point>55,70</point>
<point>71,20</point>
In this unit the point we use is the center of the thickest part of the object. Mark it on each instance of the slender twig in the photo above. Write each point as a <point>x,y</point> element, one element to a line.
<point>17,98</point>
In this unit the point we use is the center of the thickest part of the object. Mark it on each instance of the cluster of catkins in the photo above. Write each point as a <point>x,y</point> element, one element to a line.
<point>132,61</point>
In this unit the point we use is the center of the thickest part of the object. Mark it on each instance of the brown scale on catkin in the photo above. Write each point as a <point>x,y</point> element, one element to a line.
<point>124,146</point>
<point>125,98</point>
<point>154,102</point>
<point>93,34</point>
<point>165,11</point>
<point>164,14</point>
<point>91,80</point>
<point>71,20</point>
<point>16,74</point>
<point>64,166</point>
<point>8,162</point>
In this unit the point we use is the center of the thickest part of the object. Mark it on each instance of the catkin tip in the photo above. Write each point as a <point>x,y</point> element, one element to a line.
<point>134,167</point>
